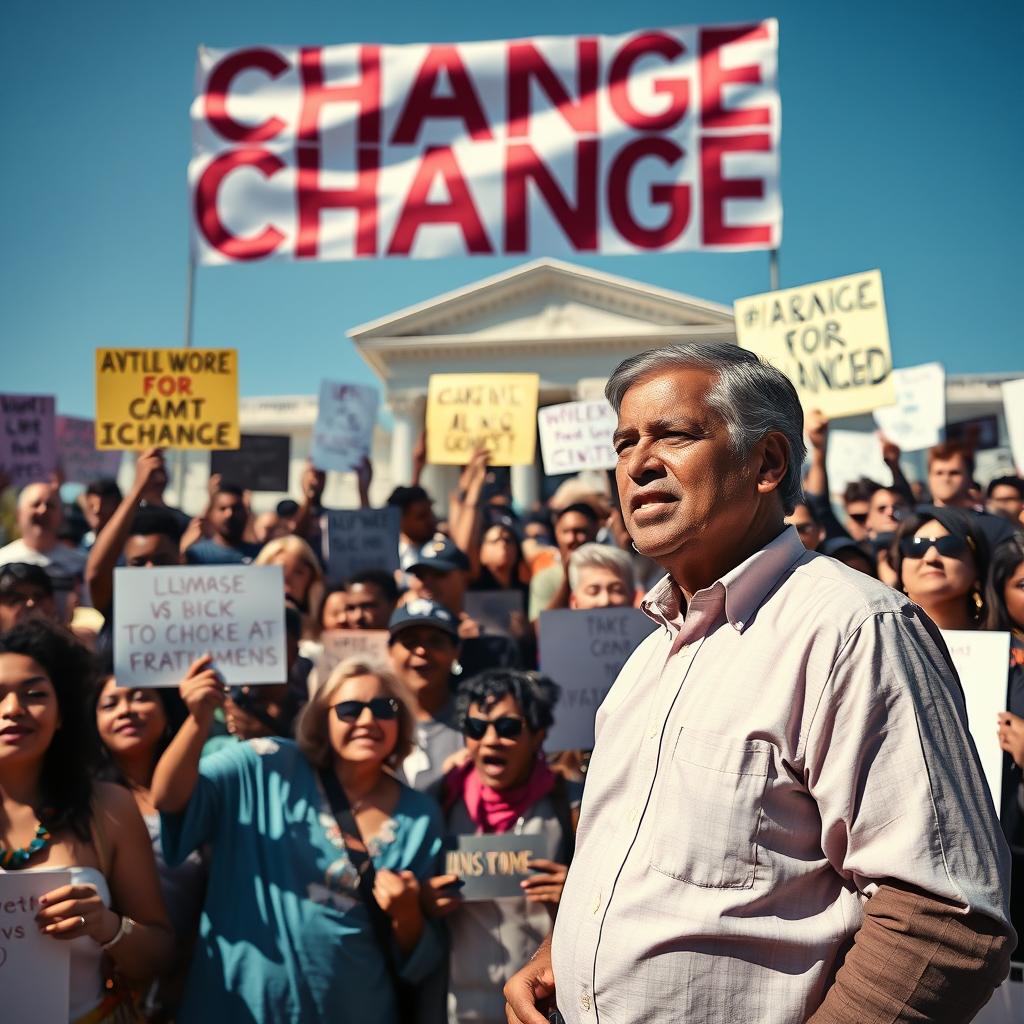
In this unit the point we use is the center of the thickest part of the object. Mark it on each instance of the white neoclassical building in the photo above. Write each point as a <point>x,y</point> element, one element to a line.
<point>570,324</point>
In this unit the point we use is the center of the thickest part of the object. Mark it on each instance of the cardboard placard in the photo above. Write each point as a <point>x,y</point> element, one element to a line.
<point>168,397</point>
<point>27,438</point>
<point>492,866</point>
<point>831,339</point>
<point>1013,409</point>
<point>359,539</point>
<point>917,418</point>
<point>494,610</point>
<point>167,617</point>
<point>339,644</point>
<point>982,661</point>
<point>261,462</point>
<point>852,454</point>
<point>466,410</point>
<point>80,462</point>
<point>583,651</point>
<point>35,969</point>
<point>577,435</point>
<point>345,419</point>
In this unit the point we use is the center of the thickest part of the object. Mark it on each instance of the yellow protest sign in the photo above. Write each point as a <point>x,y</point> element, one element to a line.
<point>465,410</point>
<point>167,397</point>
<point>830,338</point>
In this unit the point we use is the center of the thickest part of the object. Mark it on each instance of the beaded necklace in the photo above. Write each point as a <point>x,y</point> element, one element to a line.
<point>12,860</point>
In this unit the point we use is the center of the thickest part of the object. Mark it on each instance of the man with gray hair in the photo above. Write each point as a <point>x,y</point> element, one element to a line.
<point>600,577</point>
<point>785,820</point>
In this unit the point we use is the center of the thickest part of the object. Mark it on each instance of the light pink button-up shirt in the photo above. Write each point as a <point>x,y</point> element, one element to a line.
<point>761,765</point>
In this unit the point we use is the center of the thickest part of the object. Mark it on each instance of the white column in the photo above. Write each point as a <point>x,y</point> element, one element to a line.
<point>525,487</point>
<point>404,408</point>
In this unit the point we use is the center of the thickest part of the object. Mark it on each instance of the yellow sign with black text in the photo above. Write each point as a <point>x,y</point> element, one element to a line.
<point>830,338</point>
<point>167,398</point>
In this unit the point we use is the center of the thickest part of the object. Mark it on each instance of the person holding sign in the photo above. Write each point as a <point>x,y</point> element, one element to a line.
<point>315,845</point>
<point>53,815</point>
<point>504,787</point>
<point>786,821</point>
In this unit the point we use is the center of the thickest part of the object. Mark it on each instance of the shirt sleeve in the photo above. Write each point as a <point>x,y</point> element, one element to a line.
<point>214,801</point>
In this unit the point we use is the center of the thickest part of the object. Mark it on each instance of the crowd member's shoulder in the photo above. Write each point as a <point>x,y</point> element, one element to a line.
<point>113,807</point>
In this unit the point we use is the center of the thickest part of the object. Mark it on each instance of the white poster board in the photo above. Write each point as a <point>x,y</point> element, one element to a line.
<point>35,969</point>
<point>344,425</point>
<point>359,539</point>
<point>339,644</point>
<point>577,435</point>
<point>851,455</point>
<point>167,617</point>
<point>1013,406</point>
<point>583,651</point>
<point>917,419</point>
<point>982,661</point>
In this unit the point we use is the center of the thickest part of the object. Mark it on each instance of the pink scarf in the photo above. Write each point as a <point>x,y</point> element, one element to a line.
<point>496,810</point>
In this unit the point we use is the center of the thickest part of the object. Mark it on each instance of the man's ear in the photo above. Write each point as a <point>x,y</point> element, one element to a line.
<point>774,455</point>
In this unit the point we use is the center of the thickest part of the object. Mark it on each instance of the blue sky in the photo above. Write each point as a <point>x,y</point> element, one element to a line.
<point>901,148</point>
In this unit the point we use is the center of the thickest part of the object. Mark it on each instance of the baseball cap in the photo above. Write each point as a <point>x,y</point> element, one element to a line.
<point>439,554</point>
<point>14,573</point>
<point>421,611</point>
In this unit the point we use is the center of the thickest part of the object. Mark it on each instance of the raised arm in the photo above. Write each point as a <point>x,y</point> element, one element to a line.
<point>313,483</point>
<point>465,515</point>
<point>891,457</point>
<point>99,569</point>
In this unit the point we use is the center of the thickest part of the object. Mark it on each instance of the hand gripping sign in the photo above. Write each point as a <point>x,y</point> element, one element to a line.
<point>656,140</point>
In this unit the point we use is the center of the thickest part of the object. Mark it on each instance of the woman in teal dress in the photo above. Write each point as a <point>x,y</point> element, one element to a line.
<point>285,933</point>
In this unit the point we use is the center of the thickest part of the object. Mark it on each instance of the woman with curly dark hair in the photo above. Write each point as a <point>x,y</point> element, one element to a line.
<point>53,816</point>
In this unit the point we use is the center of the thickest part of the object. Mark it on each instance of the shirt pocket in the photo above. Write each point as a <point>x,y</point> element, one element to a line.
<point>708,810</point>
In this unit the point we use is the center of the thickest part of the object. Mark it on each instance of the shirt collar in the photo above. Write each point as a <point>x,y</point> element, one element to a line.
<point>744,586</point>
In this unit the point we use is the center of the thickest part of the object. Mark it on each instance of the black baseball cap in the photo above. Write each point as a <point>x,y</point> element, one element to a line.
<point>421,611</point>
<point>441,555</point>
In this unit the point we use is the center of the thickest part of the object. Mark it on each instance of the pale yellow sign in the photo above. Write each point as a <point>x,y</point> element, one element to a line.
<point>830,338</point>
<point>465,410</point>
<point>167,397</point>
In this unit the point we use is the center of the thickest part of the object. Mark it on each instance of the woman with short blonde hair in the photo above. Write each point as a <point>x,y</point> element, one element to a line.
<point>303,576</point>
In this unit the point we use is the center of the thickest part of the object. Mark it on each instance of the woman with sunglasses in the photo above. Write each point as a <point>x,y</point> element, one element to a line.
<point>506,786</point>
<point>134,726</point>
<point>1005,600</point>
<point>290,930</point>
<point>54,816</point>
<point>941,562</point>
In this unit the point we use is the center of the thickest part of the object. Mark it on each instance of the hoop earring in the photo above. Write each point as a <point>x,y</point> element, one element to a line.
<point>979,603</point>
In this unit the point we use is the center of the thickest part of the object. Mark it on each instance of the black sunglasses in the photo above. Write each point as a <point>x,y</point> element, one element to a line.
<point>948,547</point>
<point>385,709</point>
<point>507,727</point>
<point>860,518</point>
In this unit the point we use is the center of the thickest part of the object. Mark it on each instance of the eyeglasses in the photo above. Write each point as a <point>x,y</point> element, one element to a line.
<point>384,709</point>
<point>507,727</point>
<point>948,547</point>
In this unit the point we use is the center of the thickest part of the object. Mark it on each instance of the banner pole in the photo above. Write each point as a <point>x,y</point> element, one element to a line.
<point>190,304</point>
<point>773,270</point>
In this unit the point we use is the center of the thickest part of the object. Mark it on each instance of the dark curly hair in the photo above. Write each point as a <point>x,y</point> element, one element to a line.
<point>1007,557</point>
<point>535,694</point>
<point>65,782</point>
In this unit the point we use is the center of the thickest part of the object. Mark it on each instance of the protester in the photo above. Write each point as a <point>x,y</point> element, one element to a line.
<point>417,524</point>
<point>505,786</point>
<point>134,726</point>
<point>423,645</point>
<point>334,609</point>
<point>288,934</point>
<point>1005,612</point>
<point>39,518</point>
<point>745,854</point>
<point>99,502</point>
<point>1004,497</point>
<point>55,815</point>
<point>25,591</point>
<point>575,525</point>
<point>600,577</point>
<point>303,576</point>
<point>370,599</point>
<point>227,519</point>
<point>851,554</point>
<point>810,531</point>
<point>268,526</point>
<point>941,560</point>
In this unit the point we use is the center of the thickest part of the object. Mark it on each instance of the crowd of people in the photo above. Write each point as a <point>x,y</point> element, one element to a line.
<point>274,852</point>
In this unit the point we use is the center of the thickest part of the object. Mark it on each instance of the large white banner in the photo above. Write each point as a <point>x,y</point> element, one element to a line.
<point>655,140</point>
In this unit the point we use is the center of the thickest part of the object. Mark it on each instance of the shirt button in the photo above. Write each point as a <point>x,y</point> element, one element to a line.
<point>584,1002</point>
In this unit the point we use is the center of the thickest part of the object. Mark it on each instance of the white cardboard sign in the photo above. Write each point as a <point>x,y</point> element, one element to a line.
<point>851,455</point>
<point>1013,405</point>
<point>982,660</point>
<point>583,651</point>
<point>167,617</point>
<point>576,436</point>
<point>917,419</point>
<point>35,969</point>
<point>344,425</point>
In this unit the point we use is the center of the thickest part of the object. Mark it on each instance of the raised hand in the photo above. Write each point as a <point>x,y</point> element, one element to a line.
<point>202,690</point>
